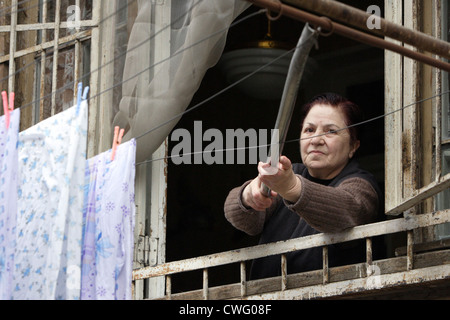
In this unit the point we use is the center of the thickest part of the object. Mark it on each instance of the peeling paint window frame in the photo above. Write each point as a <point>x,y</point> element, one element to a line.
<point>443,198</point>
<point>416,166</point>
<point>46,52</point>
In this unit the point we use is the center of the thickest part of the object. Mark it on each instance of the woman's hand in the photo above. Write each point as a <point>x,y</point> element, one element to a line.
<point>252,196</point>
<point>284,181</point>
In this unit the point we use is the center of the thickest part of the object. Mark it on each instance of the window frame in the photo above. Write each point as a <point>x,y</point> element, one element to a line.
<point>38,50</point>
<point>413,154</point>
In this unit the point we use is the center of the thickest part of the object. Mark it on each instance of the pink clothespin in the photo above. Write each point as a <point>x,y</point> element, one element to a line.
<point>8,108</point>
<point>118,135</point>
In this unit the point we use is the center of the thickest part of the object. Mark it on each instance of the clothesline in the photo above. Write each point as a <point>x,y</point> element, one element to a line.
<point>78,80</point>
<point>172,56</point>
<point>206,100</point>
<point>6,8</point>
<point>241,80</point>
<point>287,141</point>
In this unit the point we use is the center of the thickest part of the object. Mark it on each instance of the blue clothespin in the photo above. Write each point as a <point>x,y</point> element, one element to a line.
<point>85,93</point>
<point>80,88</point>
<point>81,95</point>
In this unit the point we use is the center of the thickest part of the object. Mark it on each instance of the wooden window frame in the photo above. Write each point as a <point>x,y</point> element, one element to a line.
<point>38,49</point>
<point>151,176</point>
<point>414,142</point>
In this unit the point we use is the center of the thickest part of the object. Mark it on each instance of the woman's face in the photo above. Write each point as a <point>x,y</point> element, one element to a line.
<point>325,149</point>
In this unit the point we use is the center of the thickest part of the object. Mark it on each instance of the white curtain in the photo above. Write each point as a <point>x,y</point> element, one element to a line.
<point>152,98</point>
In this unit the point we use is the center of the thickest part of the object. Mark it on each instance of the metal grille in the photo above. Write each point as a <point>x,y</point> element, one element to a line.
<point>44,53</point>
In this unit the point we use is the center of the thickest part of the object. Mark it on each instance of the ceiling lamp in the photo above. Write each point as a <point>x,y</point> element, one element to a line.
<point>268,83</point>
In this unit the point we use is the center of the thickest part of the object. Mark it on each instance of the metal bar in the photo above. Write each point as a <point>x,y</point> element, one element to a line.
<point>92,145</point>
<point>49,25</point>
<point>49,44</point>
<point>78,15</point>
<point>409,250</point>
<point>438,77</point>
<point>77,52</point>
<point>326,272</point>
<point>55,56</point>
<point>358,18</point>
<point>327,24</point>
<point>43,59</point>
<point>438,129</point>
<point>105,76</point>
<point>369,251</point>
<point>4,47</point>
<point>307,40</point>
<point>169,287</point>
<point>318,240</point>
<point>340,288</point>
<point>283,272</point>
<point>243,279</point>
<point>205,284</point>
<point>12,46</point>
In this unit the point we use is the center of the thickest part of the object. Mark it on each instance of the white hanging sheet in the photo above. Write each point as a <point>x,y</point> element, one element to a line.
<point>107,257</point>
<point>8,200</point>
<point>52,160</point>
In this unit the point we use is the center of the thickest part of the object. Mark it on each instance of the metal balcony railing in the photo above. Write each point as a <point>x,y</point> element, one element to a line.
<point>413,268</point>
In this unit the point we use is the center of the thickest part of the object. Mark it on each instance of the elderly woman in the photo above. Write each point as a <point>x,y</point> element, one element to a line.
<point>328,192</point>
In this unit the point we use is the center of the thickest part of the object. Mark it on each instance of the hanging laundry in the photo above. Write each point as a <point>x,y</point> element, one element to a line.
<point>52,161</point>
<point>107,257</point>
<point>8,200</point>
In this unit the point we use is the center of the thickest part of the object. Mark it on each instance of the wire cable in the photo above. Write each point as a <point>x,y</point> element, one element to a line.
<point>20,3</point>
<point>216,94</point>
<point>300,139</point>
<point>181,51</point>
<point>70,84</point>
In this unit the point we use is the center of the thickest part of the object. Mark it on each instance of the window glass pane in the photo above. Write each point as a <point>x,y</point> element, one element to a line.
<point>71,10</point>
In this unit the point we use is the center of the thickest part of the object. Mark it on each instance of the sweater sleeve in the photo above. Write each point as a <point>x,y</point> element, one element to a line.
<point>334,209</point>
<point>245,219</point>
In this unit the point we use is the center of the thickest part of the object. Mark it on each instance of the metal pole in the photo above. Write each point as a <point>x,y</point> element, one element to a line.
<point>358,18</point>
<point>307,40</point>
<point>326,24</point>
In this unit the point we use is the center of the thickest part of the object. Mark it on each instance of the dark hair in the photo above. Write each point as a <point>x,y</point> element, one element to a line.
<point>351,111</point>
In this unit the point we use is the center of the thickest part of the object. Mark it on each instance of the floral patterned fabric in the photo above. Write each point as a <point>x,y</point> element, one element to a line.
<point>107,254</point>
<point>52,161</point>
<point>8,200</point>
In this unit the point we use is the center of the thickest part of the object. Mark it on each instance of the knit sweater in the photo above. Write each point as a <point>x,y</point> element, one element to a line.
<point>348,200</point>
